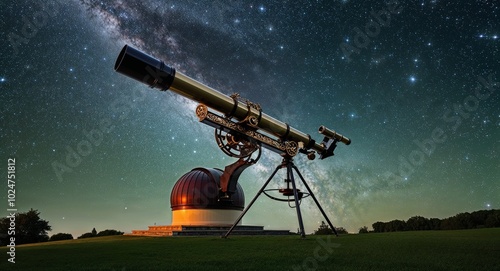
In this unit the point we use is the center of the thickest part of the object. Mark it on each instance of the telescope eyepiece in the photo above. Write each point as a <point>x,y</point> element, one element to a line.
<point>144,68</point>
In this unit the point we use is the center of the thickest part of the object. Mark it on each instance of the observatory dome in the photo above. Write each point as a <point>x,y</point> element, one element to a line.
<point>195,200</point>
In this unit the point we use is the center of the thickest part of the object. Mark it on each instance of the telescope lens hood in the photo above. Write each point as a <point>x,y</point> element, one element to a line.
<point>144,68</point>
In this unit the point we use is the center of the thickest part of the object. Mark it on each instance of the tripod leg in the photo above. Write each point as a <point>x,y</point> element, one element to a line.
<point>251,203</point>
<point>316,201</point>
<point>296,196</point>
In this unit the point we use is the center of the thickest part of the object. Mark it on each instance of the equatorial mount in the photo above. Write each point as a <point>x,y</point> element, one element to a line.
<point>236,138</point>
<point>234,145</point>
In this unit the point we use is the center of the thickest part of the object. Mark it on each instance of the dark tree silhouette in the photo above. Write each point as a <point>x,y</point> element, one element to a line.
<point>101,233</point>
<point>61,236</point>
<point>86,235</point>
<point>493,220</point>
<point>479,218</point>
<point>363,229</point>
<point>109,232</point>
<point>435,223</point>
<point>29,228</point>
<point>341,230</point>
<point>323,229</point>
<point>378,226</point>
<point>395,225</point>
<point>417,223</point>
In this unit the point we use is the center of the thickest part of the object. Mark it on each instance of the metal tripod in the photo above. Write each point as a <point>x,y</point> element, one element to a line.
<point>289,165</point>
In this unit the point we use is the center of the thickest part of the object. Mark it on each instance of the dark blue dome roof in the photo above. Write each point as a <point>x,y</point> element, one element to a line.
<point>199,189</point>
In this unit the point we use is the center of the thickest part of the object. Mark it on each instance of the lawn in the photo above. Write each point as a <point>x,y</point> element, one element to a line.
<point>425,250</point>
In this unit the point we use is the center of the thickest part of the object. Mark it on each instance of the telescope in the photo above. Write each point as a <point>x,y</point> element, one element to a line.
<point>239,129</point>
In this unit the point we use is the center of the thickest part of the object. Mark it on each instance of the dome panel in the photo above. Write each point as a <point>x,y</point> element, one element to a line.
<point>199,189</point>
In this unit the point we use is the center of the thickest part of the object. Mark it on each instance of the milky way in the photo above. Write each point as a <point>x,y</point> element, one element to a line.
<point>413,84</point>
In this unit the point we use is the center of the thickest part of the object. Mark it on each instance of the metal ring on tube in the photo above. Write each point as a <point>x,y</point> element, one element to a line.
<point>235,106</point>
<point>283,137</point>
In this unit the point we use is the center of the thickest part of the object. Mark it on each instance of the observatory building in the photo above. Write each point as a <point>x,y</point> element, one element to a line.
<point>198,208</point>
<point>194,200</point>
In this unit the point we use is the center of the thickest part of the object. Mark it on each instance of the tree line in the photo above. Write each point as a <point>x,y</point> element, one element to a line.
<point>324,229</point>
<point>29,228</point>
<point>94,233</point>
<point>474,220</point>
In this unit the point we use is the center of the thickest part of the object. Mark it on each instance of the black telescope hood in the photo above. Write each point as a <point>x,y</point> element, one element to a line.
<point>144,68</point>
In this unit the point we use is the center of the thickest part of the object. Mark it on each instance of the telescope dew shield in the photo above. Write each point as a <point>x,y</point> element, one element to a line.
<point>153,72</point>
<point>145,68</point>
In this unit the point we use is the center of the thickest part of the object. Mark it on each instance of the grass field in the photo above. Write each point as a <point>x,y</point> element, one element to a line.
<point>429,250</point>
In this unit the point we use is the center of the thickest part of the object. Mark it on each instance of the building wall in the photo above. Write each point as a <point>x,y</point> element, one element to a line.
<point>204,217</point>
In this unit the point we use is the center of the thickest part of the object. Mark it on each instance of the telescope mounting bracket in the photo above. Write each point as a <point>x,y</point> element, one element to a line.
<point>251,119</point>
<point>240,140</point>
<point>330,145</point>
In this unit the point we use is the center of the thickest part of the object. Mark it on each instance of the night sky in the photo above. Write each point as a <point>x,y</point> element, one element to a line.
<point>414,84</point>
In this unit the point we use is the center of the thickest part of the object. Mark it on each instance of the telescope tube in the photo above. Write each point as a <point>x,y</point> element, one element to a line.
<point>153,72</point>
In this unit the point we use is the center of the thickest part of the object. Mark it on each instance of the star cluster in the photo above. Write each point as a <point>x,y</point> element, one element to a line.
<point>413,84</point>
